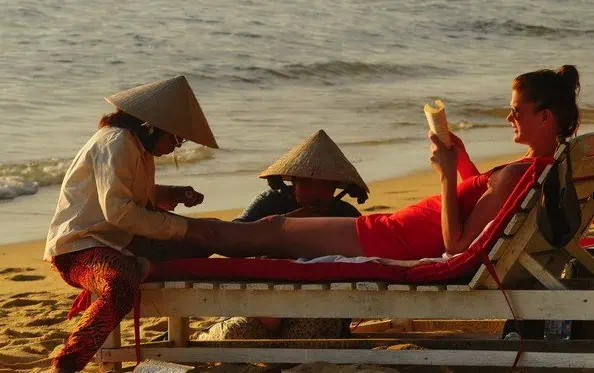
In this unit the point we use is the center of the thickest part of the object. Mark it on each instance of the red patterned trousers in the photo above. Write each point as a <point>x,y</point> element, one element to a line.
<point>109,274</point>
<point>115,278</point>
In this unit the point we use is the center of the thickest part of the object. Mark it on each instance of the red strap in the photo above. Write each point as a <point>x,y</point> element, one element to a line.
<point>137,326</point>
<point>80,304</point>
<point>493,274</point>
<point>83,301</point>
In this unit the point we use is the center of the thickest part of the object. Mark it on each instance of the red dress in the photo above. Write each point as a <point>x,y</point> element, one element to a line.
<point>415,231</point>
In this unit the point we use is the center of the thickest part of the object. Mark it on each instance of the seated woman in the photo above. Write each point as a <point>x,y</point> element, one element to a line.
<point>109,207</point>
<point>543,111</point>
<point>316,168</point>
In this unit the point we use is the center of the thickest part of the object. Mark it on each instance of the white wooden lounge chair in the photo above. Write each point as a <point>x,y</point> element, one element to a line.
<point>520,254</point>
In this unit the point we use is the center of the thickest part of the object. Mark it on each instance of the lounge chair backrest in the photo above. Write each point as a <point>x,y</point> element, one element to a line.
<point>523,244</point>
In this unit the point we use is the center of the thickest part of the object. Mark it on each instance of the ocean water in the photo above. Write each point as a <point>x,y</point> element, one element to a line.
<point>267,74</point>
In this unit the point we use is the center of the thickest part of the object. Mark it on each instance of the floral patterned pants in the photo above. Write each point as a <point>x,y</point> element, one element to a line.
<point>115,278</point>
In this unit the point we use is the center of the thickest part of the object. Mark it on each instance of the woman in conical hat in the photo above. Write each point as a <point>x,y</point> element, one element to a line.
<point>316,168</point>
<point>543,111</point>
<point>110,210</point>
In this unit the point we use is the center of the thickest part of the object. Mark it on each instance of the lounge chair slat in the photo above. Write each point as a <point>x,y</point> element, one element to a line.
<point>178,330</point>
<point>584,257</point>
<point>401,287</point>
<point>114,340</point>
<point>544,174</point>
<point>259,286</point>
<point>476,304</point>
<point>431,288</point>
<point>370,286</point>
<point>515,223</point>
<point>439,357</point>
<point>232,286</point>
<point>530,199</point>
<point>498,249</point>
<point>479,277</point>
<point>342,286</point>
<point>287,287</point>
<point>541,274</point>
<point>205,285</point>
<point>315,287</point>
<point>459,288</point>
<point>518,243</point>
<point>559,151</point>
<point>176,284</point>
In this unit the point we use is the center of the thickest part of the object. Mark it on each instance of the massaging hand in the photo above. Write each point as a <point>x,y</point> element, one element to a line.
<point>443,160</point>
<point>184,194</point>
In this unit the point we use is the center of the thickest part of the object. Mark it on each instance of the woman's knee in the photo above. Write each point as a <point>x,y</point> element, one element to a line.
<point>267,231</point>
<point>122,289</point>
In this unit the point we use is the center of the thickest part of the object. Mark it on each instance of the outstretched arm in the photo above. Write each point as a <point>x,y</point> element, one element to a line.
<point>459,234</point>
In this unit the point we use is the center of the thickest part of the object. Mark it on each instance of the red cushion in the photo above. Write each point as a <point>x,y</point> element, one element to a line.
<point>288,270</point>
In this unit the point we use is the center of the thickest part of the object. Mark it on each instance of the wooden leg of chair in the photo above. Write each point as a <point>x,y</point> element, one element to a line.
<point>113,341</point>
<point>179,331</point>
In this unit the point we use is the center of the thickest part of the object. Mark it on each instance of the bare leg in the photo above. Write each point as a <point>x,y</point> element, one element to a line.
<point>279,237</point>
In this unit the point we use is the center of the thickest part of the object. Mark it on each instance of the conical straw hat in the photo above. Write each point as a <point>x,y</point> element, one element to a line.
<point>317,157</point>
<point>169,105</point>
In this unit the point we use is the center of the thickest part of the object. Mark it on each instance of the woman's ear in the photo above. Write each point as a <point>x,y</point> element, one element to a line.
<point>547,117</point>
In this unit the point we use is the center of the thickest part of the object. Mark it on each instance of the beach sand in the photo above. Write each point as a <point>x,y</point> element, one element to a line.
<point>34,301</point>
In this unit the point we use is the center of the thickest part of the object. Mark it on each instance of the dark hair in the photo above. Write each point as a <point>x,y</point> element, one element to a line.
<point>556,90</point>
<point>121,119</point>
<point>148,136</point>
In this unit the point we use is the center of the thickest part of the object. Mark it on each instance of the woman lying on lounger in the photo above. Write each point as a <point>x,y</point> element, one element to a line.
<point>543,111</point>
<point>110,209</point>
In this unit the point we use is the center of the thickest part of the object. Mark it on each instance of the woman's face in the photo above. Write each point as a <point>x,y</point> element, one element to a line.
<point>527,121</point>
<point>314,192</point>
<point>166,143</point>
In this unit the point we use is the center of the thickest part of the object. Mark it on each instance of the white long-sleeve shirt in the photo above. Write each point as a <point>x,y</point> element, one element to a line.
<point>104,196</point>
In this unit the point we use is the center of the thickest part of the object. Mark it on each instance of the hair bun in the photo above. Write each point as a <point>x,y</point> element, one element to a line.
<point>570,76</point>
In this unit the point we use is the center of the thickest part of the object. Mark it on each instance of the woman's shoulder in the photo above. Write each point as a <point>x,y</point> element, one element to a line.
<point>114,138</point>
<point>113,134</point>
<point>509,175</point>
